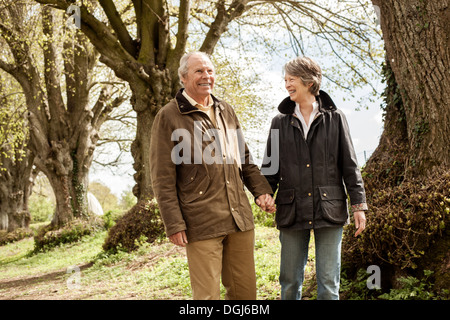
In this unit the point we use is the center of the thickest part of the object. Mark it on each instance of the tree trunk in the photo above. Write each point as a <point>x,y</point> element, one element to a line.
<point>417,47</point>
<point>68,182</point>
<point>146,110</point>
<point>15,188</point>
<point>407,178</point>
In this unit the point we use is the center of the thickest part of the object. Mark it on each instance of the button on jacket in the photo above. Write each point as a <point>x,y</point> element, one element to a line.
<point>315,174</point>
<point>202,191</point>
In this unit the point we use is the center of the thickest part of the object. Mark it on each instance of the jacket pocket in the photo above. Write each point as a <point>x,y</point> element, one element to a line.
<point>285,215</point>
<point>333,201</point>
<point>194,183</point>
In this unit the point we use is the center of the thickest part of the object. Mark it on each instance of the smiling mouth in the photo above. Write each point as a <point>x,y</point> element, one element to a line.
<point>291,91</point>
<point>204,84</point>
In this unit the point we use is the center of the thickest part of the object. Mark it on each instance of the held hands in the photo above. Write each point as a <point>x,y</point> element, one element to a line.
<point>266,203</point>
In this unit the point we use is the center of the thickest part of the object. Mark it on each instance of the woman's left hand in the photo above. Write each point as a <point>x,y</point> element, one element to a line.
<point>360,222</point>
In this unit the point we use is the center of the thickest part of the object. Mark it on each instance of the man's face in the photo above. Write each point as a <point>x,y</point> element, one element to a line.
<point>199,81</point>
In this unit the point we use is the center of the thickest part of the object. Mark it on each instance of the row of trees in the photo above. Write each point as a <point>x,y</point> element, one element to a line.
<point>65,103</point>
<point>69,94</point>
<point>68,97</point>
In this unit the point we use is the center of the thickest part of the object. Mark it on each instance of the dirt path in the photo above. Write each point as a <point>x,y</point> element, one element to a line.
<point>115,282</point>
<point>52,285</point>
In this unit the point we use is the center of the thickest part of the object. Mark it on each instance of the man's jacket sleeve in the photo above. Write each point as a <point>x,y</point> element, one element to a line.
<point>163,175</point>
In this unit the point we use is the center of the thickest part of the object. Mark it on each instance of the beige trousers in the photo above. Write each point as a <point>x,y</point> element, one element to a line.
<point>231,257</point>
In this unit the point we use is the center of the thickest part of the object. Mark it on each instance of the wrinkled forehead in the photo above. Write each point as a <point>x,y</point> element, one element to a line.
<point>199,61</point>
<point>289,76</point>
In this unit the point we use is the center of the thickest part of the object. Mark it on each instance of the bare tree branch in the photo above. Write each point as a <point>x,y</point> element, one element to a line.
<point>223,18</point>
<point>52,77</point>
<point>119,27</point>
<point>182,36</point>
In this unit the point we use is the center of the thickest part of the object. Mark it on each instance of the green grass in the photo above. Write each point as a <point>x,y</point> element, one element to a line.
<point>17,260</point>
<point>157,271</point>
<point>267,263</point>
<point>154,271</point>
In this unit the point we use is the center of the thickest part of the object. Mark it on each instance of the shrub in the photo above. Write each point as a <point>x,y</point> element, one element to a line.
<point>110,218</point>
<point>48,237</point>
<point>408,288</point>
<point>16,235</point>
<point>407,228</point>
<point>356,289</point>
<point>143,221</point>
<point>412,288</point>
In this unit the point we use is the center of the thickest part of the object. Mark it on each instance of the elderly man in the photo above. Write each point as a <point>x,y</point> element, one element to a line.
<point>199,166</point>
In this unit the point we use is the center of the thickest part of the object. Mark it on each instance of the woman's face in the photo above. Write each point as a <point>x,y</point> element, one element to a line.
<point>295,87</point>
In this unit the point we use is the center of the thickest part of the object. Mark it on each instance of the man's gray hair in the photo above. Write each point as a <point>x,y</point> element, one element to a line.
<point>183,69</point>
<point>307,70</point>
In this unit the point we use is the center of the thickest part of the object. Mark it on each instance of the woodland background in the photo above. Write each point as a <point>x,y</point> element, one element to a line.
<point>80,85</point>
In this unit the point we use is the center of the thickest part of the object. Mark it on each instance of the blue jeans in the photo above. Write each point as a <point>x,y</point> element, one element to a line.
<point>294,255</point>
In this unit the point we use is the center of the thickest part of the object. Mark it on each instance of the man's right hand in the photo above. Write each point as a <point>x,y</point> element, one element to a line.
<point>179,238</point>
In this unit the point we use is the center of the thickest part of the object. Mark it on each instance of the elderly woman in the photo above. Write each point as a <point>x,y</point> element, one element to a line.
<point>317,169</point>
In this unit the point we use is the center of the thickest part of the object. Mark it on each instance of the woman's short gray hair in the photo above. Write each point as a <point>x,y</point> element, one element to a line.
<point>307,70</point>
<point>184,68</point>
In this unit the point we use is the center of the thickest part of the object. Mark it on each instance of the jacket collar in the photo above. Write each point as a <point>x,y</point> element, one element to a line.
<point>287,106</point>
<point>186,107</point>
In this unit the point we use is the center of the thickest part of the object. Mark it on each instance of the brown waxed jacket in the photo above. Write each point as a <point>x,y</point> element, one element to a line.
<point>201,189</point>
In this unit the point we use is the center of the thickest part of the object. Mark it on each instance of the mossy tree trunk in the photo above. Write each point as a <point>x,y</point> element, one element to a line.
<point>417,48</point>
<point>16,161</point>
<point>16,181</point>
<point>407,178</point>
